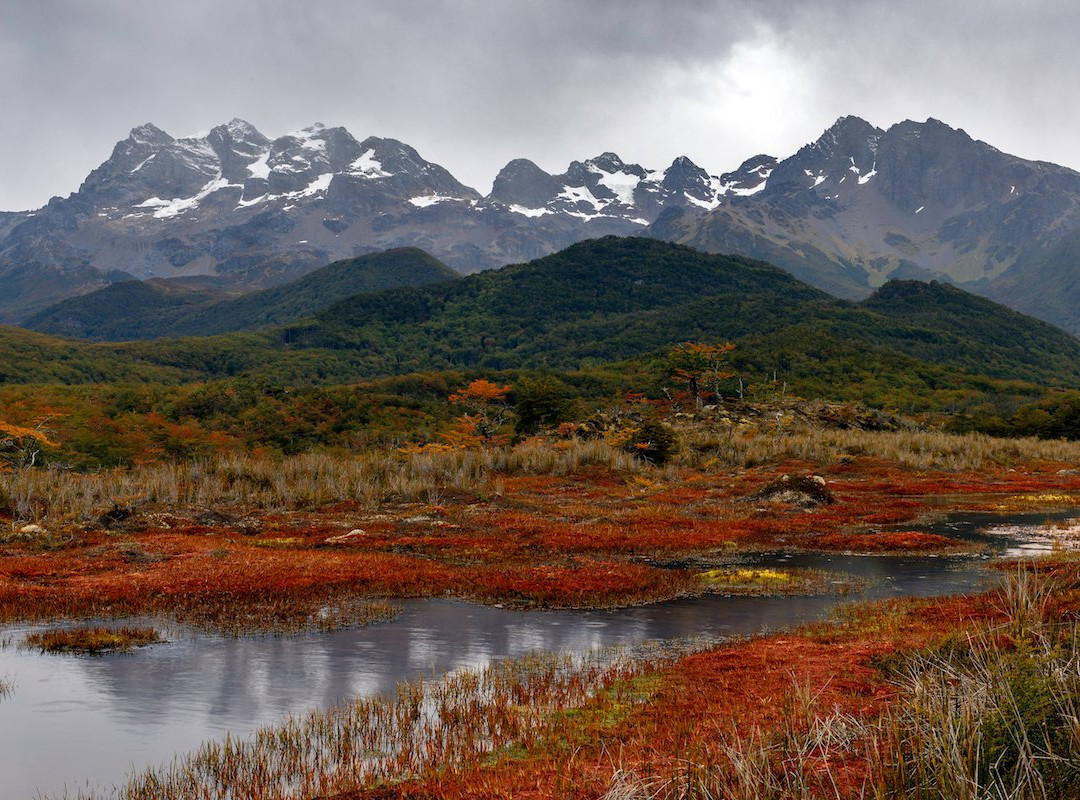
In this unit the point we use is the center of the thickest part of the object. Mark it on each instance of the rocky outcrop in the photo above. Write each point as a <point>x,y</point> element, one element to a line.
<point>806,491</point>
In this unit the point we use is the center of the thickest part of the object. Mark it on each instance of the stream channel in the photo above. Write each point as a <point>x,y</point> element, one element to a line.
<point>75,722</point>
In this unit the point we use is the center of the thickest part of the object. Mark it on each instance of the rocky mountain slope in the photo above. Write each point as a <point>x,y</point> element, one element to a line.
<point>862,205</point>
<point>255,212</point>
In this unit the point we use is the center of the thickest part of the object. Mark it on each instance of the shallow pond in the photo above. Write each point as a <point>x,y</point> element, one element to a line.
<point>73,722</point>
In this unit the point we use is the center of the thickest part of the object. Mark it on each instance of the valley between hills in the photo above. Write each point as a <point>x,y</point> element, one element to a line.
<point>626,432</point>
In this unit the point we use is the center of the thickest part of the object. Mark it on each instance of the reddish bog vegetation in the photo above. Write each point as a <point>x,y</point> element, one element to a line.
<point>594,537</point>
<point>678,726</point>
<point>844,709</point>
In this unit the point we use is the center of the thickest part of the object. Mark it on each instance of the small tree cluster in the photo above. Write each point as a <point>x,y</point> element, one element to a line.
<point>636,428</point>
<point>540,404</point>
<point>701,367</point>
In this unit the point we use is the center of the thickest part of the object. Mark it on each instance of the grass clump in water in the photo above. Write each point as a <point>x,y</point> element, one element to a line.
<point>93,641</point>
<point>745,576</point>
<point>769,581</point>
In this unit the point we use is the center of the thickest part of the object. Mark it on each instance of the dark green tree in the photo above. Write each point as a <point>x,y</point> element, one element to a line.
<point>540,403</point>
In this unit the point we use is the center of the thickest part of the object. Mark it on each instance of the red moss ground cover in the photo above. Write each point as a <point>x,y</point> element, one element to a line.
<point>586,539</point>
<point>888,542</point>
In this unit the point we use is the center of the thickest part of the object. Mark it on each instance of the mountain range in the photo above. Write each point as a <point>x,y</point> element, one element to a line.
<point>254,212</point>
<point>234,212</point>
<point>862,205</point>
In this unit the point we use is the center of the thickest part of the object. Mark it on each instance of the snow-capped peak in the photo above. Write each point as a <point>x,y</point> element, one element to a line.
<point>149,133</point>
<point>242,129</point>
<point>608,162</point>
<point>310,137</point>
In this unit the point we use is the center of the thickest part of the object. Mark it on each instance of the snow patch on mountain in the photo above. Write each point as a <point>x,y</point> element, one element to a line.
<point>178,205</point>
<point>426,200</point>
<point>621,184</point>
<point>309,137</point>
<point>260,168</point>
<point>745,191</point>
<point>294,166</point>
<point>367,166</point>
<point>318,186</point>
<point>580,194</point>
<point>143,163</point>
<point>529,212</point>
<point>708,205</point>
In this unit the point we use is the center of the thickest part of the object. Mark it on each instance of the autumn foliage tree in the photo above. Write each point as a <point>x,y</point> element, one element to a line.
<point>701,367</point>
<point>21,446</point>
<point>486,413</point>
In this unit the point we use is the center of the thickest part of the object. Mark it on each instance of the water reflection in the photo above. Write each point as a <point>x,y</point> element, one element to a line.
<point>72,721</point>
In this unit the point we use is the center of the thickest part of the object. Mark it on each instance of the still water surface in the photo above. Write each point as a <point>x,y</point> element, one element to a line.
<point>76,722</point>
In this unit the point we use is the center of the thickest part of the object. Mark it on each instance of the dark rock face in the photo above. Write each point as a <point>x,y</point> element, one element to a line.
<point>750,177</point>
<point>849,143</point>
<point>685,176</point>
<point>237,145</point>
<point>524,184</point>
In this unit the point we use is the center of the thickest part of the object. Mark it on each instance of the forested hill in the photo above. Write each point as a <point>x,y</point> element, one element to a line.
<point>602,300</point>
<point>941,323</point>
<point>610,300</point>
<point>138,310</point>
<point>613,298</point>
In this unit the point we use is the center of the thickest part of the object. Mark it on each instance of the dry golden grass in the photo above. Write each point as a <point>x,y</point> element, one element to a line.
<point>747,446</point>
<point>296,483</point>
<point>311,481</point>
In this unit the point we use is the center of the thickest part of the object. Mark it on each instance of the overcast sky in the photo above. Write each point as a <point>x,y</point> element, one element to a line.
<point>474,83</point>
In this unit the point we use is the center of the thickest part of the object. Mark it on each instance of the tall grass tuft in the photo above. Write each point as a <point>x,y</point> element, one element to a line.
<point>993,716</point>
<point>997,716</point>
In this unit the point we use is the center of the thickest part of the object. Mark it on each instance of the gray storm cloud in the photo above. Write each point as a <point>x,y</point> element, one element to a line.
<point>475,83</point>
